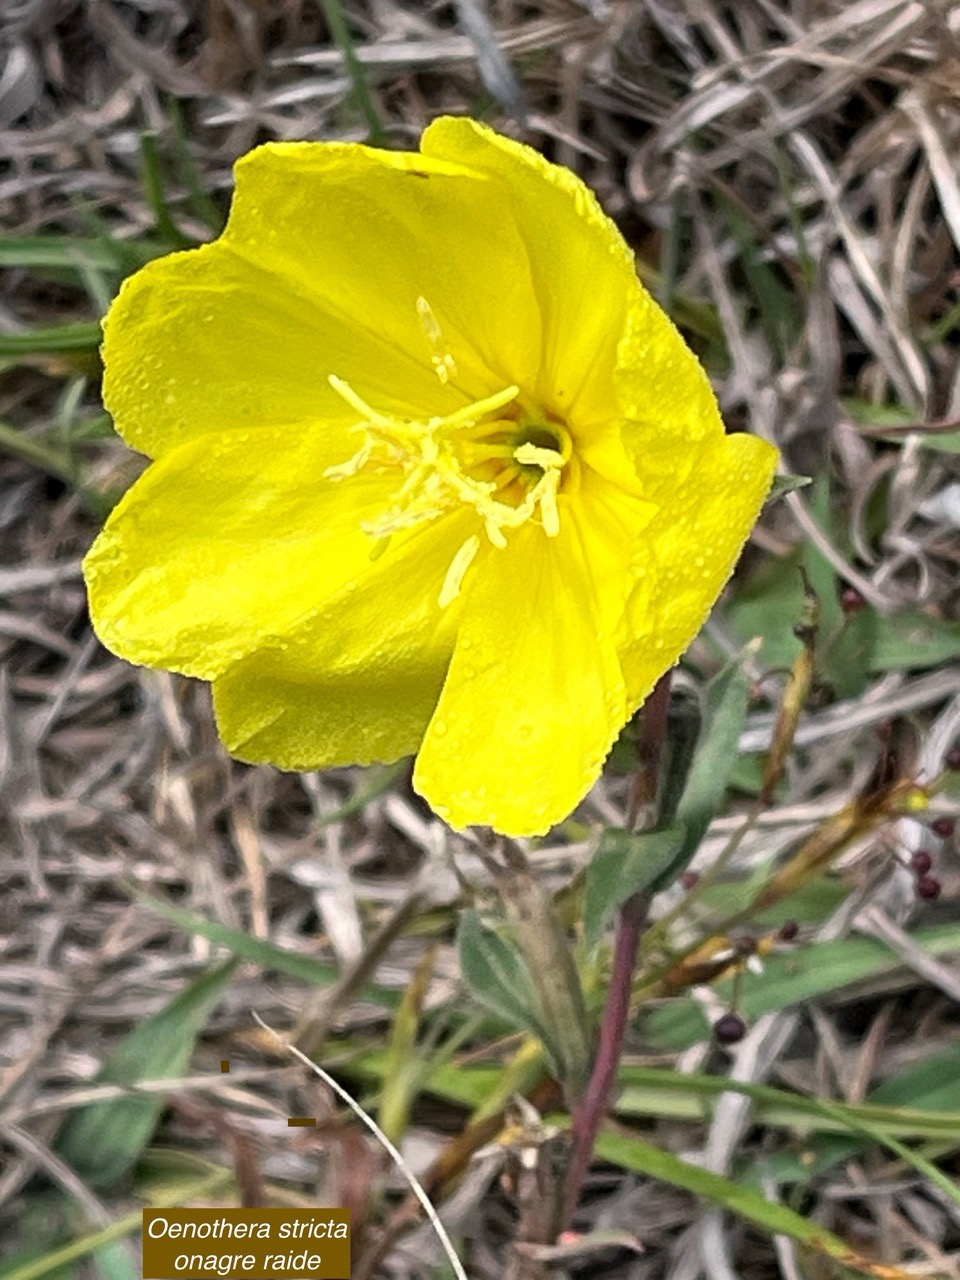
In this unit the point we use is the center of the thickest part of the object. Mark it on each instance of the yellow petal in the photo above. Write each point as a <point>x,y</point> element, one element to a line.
<point>337,259</point>
<point>667,406</point>
<point>688,553</point>
<point>359,680</point>
<point>582,269</point>
<point>357,719</point>
<point>227,543</point>
<point>534,697</point>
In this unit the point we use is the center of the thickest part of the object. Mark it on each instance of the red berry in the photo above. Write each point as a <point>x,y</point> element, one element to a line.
<point>921,862</point>
<point>788,931</point>
<point>852,600</point>
<point>690,879</point>
<point>729,1029</point>
<point>943,827</point>
<point>952,759</point>
<point>929,887</point>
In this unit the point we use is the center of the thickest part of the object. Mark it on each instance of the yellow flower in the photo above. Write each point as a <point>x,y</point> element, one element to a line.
<point>431,473</point>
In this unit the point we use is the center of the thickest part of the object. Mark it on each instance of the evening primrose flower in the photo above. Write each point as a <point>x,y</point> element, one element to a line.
<point>432,474</point>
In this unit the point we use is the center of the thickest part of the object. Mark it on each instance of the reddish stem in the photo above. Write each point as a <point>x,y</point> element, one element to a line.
<point>592,1107</point>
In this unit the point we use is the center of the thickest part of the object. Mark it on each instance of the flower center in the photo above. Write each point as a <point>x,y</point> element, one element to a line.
<point>496,455</point>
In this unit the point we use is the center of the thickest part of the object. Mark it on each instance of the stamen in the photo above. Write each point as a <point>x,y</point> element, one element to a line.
<point>470,414</point>
<point>346,392</point>
<point>466,458</point>
<point>455,574</point>
<point>444,365</point>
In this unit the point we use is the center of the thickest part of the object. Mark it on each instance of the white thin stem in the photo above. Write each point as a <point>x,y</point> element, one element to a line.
<point>445,1241</point>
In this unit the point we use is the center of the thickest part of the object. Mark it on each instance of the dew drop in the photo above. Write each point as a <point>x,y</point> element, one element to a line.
<point>439,727</point>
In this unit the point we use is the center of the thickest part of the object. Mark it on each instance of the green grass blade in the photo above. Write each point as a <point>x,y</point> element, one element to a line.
<point>806,974</point>
<point>152,177</point>
<point>39,1268</point>
<point>82,335</point>
<point>643,1157</point>
<point>103,1140</point>
<point>267,954</point>
<point>340,31</point>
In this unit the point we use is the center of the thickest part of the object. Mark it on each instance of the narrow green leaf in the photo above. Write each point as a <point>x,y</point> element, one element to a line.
<point>113,1262</point>
<point>267,954</point>
<point>376,781</point>
<point>340,31</point>
<point>777,303</point>
<point>76,253</point>
<point>786,484</point>
<point>208,1185</point>
<point>82,335</point>
<point>496,974</point>
<point>624,864</point>
<point>805,974</point>
<point>724,713</point>
<point>201,202</point>
<point>932,1090</point>
<point>103,1140</point>
<point>151,173</point>
<point>770,604</point>
<point>643,1157</point>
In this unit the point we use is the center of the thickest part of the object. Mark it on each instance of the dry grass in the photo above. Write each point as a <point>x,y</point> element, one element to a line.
<point>787,173</point>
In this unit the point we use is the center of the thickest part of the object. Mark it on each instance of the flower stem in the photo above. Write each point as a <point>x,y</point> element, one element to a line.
<point>592,1106</point>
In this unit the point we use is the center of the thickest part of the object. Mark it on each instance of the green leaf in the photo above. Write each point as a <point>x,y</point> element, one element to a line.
<point>724,713</point>
<point>103,1140</point>
<point>931,1086</point>
<point>82,335</point>
<point>770,604</point>
<point>777,303</point>
<point>76,253</point>
<point>643,1157</point>
<point>496,974</point>
<point>784,484</point>
<point>624,864</point>
<point>267,954</point>
<point>789,979</point>
<point>375,782</point>
<point>209,1184</point>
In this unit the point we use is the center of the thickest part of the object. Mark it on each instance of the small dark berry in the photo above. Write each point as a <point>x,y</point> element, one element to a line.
<point>788,931</point>
<point>690,879</point>
<point>952,759</point>
<point>929,887</point>
<point>921,861</point>
<point>943,827</point>
<point>852,600</point>
<point>729,1029</point>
